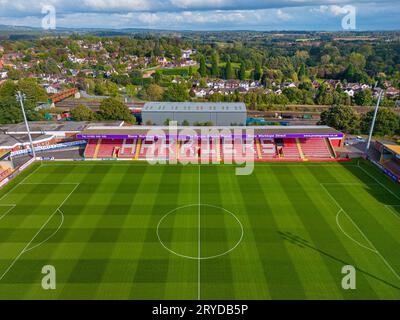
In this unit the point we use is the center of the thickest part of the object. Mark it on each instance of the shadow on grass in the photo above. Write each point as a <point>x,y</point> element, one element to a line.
<point>386,190</point>
<point>302,243</point>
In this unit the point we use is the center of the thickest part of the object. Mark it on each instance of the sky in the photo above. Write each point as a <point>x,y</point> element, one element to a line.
<point>262,15</point>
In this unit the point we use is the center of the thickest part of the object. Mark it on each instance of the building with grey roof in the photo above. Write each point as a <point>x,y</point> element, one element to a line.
<point>218,114</point>
<point>15,135</point>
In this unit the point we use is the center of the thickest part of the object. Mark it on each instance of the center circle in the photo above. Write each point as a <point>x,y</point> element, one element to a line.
<point>200,231</point>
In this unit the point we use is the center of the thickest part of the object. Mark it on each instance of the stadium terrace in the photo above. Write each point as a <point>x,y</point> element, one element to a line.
<point>115,141</point>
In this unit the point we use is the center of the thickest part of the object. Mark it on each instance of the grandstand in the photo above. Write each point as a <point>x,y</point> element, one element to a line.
<point>116,141</point>
<point>313,143</point>
<point>389,158</point>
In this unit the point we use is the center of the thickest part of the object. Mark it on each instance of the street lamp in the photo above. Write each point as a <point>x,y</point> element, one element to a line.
<point>20,98</point>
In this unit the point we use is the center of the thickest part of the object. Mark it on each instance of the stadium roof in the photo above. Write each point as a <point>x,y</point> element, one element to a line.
<point>391,146</point>
<point>53,126</point>
<point>10,141</point>
<point>265,131</point>
<point>13,135</point>
<point>194,107</point>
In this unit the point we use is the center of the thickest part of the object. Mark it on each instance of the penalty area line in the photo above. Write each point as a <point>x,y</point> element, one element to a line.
<point>26,248</point>
<point>362,233</point>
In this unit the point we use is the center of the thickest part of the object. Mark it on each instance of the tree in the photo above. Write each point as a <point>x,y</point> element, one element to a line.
<point>136,74</point>
<point>342,118</point>
<point>99,89</point>
<point>242,71</point>
<point>176,93</point>
<point>229,70</point>
<point>33,91</point>
<point>387,122</point>
<point>203,67</point>
<point>302,71</point>
<point>113,109</point>
<point>10,111</point>
<point>8,89</point>
<point>257,72</point>
<point>363,98</point>
<point>351,74</point>
<point>215,65</point>
<point>357,60</point>
<point>83,113</point>
<point>131,90</point>
<point>294,95</point>
<point>324,96</point>
<point>152,92</point>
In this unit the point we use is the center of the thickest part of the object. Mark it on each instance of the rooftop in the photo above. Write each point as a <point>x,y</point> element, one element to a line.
<point>8,141</point>
<point>52,126</point>
<point>392,146</point>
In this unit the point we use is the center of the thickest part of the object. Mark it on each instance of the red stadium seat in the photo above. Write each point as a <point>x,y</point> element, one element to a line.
<point>315,148</point>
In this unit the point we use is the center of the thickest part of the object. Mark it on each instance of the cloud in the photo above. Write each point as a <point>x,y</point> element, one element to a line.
<point>332,9</point>
<point>29,7</point>
<point>203,14</point>
<point>282,15</point>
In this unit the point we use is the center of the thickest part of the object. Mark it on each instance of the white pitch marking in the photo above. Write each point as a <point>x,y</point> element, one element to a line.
<point>350,237</point>
<point>196,257</point>
<point>390,208</point>
<point>51,236</point>
<point>38,232</point>
<point>362,233</point>
<point>26,178</point>
<point>371,176</point>
<point>12,206</point>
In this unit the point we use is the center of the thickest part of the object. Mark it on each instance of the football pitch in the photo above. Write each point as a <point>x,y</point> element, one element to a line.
<point>137,231</point>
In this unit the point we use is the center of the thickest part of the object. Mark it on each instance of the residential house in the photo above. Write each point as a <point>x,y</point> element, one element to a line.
<point>51,89</point>
<point>3,75</point>
<point>187,53</point>
<point>350,92</point>
<point>392,92</point>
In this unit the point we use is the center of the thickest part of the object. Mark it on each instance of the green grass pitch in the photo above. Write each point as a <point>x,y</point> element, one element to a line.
<point>136,231</point>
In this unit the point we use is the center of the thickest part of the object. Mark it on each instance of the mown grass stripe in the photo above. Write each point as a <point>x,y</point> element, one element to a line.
<point>216,274</point>
<point>314,276</point>
<point>347,256</point>
<point>149,270</point>
<point>183,235</point>
<point>271,250</point>
<point>249,279</point>
<point>81,272</point>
